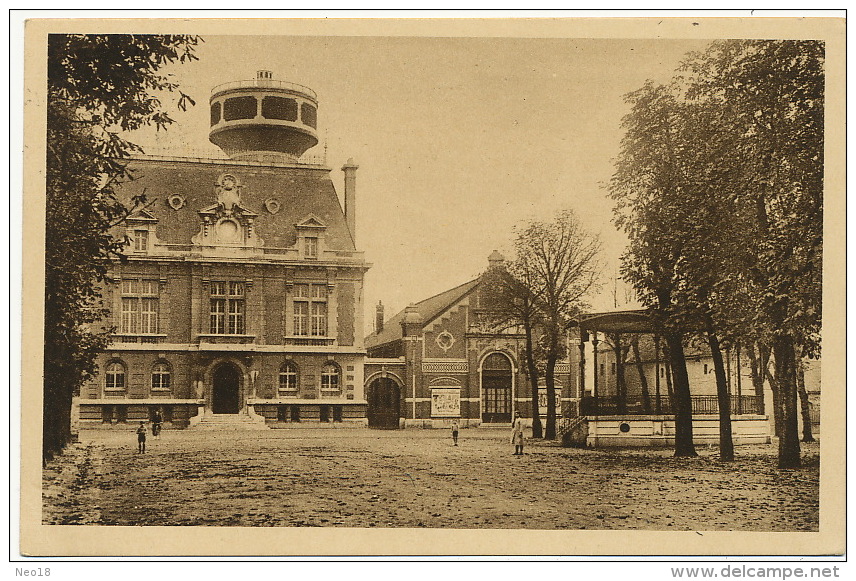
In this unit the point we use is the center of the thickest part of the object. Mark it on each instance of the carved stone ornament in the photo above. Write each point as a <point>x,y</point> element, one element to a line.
<point>228,190</point>
<point>445,340</point>
<point>176,201</point>
<point>273,206</point>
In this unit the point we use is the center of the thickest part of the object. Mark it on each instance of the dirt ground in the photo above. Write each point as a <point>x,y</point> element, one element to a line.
<point>417,478</point>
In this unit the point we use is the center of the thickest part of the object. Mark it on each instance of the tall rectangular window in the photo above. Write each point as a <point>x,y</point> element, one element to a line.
<point>139,306</point>
<point>319,319</point>
<point>227,308</point>
<point>310,310</point>
<point>141,240</point>
<point>311,247</point>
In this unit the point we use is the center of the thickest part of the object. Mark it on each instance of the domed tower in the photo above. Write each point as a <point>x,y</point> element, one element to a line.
<point>263,119</point>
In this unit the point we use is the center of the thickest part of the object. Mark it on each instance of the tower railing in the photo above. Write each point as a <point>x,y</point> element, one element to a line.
<point>218,155</point>
<point>265,84</point>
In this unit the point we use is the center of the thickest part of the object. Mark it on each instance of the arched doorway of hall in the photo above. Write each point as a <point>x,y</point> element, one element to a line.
<point>496,381</point>
<point>226,389</point>
<point>384,403</point>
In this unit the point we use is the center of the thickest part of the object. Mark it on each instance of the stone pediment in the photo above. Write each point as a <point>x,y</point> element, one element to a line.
<point>311,221</point>
<point>141,215</point>
<point>217,210</point>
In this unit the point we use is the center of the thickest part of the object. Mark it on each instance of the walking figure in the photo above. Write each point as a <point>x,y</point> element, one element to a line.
<point>157,421</point>
<point>517,434</point>
<point>455,426</point>
<point>141,438</point>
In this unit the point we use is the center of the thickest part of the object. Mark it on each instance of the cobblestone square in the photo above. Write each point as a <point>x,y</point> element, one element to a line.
<point>309,477</point>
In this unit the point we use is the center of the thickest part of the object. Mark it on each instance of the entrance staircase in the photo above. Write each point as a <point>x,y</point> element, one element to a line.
<point>228,422</point>
<point>572,432</point>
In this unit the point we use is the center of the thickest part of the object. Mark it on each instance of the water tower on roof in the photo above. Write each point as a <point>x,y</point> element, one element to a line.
<point>263,119</point>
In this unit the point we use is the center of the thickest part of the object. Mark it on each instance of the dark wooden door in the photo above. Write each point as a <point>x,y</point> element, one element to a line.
<point>226,384</point>
<point>497,398</point>
<point>496,389</point>
<point>384,404</point>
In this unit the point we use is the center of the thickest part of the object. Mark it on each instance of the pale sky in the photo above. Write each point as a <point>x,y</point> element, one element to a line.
<point>457,139</point>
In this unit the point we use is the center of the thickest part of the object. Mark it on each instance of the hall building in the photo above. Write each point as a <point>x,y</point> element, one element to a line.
<point>241,295</point>
<point>441,358</point>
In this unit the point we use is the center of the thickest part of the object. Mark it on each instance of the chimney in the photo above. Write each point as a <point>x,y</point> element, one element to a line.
<point>350,170</point>
<point>379,317</point>
<point>412,323</point>
<point>496,260</point>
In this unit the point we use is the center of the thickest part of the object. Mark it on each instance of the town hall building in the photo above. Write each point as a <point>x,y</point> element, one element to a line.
<point>241,297</point>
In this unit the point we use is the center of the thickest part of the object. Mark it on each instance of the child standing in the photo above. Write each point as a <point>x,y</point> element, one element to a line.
<point>141,438</point>
<point>517,434</point>
<point>455,425</point>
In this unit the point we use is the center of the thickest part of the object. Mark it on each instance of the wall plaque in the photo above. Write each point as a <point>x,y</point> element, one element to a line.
<point>446,402</point>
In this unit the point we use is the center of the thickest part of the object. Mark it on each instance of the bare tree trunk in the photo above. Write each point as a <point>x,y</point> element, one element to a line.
<point>549,376</point>
<point>758,362</point>
<point>684,445</point>
<point>533,382</point>
<point>56,426</point>
<point>723,397</point>
<point>805,405</point>
<point>789,443</point>
<point>778,412</point>
<point>620,387</point>
<point>669,389</point>
<point>643,381</point>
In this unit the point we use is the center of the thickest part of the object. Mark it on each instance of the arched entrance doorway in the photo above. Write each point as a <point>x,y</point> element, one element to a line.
<point>227,382</point>
<point>496,389</point>
<point>384,401</point>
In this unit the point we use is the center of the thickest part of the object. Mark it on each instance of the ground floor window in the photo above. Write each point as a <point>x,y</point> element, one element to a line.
<point>288,378</point>
<point>114,377</point>
<point>330,377</point>
<point>161,376</point>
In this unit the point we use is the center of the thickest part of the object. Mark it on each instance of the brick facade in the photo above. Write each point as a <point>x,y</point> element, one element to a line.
<point>435,356</point>
<point>241,292</point>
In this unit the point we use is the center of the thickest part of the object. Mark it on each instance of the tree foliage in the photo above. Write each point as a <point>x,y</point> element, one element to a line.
<point>719,188</point>
<point>99,87</point>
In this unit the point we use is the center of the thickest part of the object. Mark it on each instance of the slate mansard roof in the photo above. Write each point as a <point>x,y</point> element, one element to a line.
<point>301,191</point>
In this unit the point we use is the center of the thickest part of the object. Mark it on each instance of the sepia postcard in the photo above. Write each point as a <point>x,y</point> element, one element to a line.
<point>441,286</point>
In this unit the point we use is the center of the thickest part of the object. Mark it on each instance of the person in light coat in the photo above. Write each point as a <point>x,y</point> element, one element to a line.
<point>517,434</point>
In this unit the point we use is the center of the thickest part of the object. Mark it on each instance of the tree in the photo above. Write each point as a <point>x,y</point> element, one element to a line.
<point>646,189</point>
<point>563,260</point>
<point>719,187</point>
<point>805,404</point>
<point>620,351</point>
<point>99,86</point>
<point>643,379</point>
<point>772,93</point>
<point>506,289</point>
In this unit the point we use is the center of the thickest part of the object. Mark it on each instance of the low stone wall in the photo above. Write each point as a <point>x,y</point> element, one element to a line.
<point>122,413</point>
<point>643,431</point>
<point>282,414</point>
